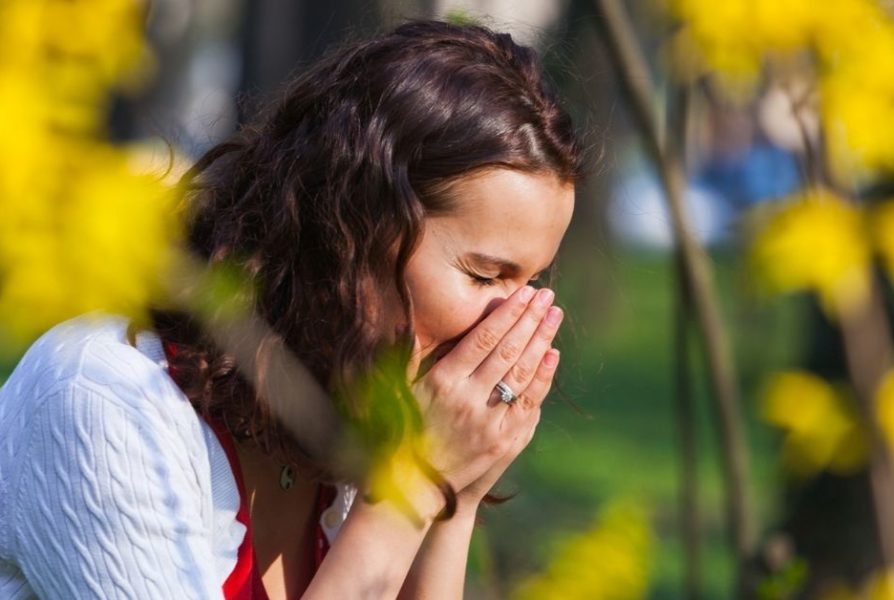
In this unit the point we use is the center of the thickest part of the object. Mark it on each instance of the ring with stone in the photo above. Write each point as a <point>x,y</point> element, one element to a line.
<point>506,393</point>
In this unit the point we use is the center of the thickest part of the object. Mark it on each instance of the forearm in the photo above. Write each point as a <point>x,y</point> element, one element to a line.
<point>439,571</point>
<point>374,550</point>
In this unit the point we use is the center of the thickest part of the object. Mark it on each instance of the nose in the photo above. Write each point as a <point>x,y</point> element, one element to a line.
<point>492,305</point>
<point>500,298</point>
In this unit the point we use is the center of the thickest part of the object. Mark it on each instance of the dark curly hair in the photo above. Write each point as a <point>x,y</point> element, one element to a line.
<point>322,201</point>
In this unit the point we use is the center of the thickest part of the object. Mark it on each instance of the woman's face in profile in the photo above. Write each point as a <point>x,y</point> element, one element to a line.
<point>504,232</point>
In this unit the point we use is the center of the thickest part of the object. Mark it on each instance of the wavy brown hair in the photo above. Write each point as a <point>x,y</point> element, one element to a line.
<point>322,201</point>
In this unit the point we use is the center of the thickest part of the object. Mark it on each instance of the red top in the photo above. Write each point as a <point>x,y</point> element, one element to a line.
<point>244,582</point>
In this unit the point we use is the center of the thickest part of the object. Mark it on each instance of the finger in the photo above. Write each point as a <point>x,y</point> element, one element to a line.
<point>508,350</point>
<point>476,345</point>
<point>532,397</point>
<point>529,428</point>
<point>415,360</point>
<point>522,372</point>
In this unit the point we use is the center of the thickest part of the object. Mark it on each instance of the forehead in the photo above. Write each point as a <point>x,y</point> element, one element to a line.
<point>502,212</point>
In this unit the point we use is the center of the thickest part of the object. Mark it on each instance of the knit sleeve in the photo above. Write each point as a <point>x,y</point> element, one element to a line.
<point>108,503</point>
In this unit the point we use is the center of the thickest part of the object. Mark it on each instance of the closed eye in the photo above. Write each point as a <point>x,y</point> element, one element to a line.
<point>536,282</point>
<point>482,280</point>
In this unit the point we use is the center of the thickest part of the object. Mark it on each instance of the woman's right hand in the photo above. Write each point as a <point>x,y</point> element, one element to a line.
<point>472,436</point>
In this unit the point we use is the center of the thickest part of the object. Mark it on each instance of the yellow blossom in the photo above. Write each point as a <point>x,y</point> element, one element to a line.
<point>733,37</point>
<point>882,221</point>
<point>610,561</point>
<point>815,243</point>
<point>877,586</point>
<point>821,427</point>
<point>857,99</point>
<point>884,405</point>
<point>81,229</point>
<point>880,586</point>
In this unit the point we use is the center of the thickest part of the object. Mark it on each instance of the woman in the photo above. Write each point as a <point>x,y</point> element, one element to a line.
<point>402,194</point>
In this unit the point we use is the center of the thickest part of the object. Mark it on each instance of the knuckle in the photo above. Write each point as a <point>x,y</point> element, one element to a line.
<point>464,413</point>
<point>508,351</point>
<point>545,333</point>
<point>526,401</point>
<point>517,310</point>
<point>534,315</point>
<point>436,384</point>
<point>544,376</point>
<point>486,339</point>
<point>520,372</point>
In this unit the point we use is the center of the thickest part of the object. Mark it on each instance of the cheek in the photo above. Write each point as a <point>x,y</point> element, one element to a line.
<point>446,309</point>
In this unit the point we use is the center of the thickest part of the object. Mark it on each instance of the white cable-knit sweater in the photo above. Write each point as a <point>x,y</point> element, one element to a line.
<point>111,486</point>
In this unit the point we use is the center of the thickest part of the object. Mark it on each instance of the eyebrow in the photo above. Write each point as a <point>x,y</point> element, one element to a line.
<point>503,264</point>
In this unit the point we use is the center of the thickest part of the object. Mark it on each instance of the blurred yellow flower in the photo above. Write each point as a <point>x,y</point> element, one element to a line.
<point>850,43</point>
<point>733,37</point>
<point>815,243</point>
<point>821,427</point>
<point>857,99</point>
<point>884,406</point>
<point>878,586</point>
<point>610,561</point>
<point>882,224</point>
<point>81,228</point>
<point>104,246</point>
<point>395,476</point>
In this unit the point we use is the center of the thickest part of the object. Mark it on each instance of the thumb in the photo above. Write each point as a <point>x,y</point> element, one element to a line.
<point>415,361</point>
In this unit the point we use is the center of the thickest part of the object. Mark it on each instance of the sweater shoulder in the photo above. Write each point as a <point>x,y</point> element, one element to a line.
<point>91,352</point>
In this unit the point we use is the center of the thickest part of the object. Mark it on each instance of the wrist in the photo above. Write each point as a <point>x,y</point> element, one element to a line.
<point>467,506</point>
<point>412,494</point>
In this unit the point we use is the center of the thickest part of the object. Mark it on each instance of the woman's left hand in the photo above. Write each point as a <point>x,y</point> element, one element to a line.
<point>531,379</point>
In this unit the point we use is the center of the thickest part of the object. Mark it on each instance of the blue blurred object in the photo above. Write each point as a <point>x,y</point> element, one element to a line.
<point>763,172</point>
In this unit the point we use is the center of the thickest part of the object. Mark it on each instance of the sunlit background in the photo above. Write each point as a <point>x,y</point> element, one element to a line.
<point>725,404</point>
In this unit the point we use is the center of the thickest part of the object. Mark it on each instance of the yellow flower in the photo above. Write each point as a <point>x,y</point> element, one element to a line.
<point>815,243</point>
<point>880,586</point>
<point>884,406</point>
<point>395,476</point>
<point>882,222</point>
<point>877,586</point>
<point>610,561</point>
<point>81,230</point>
<point>821,427</point>
<point>857,99</point>
<point>733,37</point>
<point>103,246</point>
<point>849,41</point>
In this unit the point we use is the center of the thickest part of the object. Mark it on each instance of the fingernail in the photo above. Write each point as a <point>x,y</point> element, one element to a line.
<point>544,297</point>
<point>554,316</point>
<point>552,358</point>
<point>526,293</point>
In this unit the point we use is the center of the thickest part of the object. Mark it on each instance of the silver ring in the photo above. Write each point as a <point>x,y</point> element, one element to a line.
<point>506,393</point>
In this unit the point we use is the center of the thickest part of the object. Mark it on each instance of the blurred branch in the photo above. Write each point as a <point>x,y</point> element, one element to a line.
<point>814,174</point>
<point>677,110</point>
<point>634,74</point>
<point>868,353</point>
<point>291,392</point>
